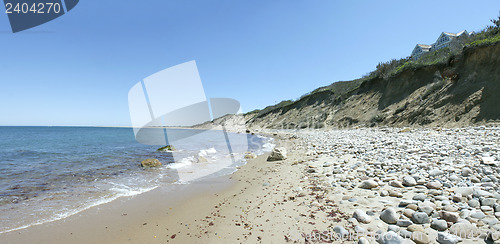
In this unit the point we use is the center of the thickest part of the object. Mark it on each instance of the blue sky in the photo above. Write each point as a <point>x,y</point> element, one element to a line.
<point>78,69</point>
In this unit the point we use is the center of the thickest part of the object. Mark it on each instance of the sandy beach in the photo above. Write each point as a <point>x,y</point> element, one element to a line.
<point>355,185</point>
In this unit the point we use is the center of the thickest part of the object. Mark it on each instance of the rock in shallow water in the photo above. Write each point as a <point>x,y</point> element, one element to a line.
<point>151,162</point>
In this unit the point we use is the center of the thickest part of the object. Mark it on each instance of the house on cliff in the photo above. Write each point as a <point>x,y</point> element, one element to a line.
<point>445,40</point>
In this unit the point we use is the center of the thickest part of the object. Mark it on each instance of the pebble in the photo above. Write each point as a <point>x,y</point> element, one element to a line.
<point>341,231</point>
<point>420,218</point>
<point>363,240</point>
<point>473,203</point>
<point>477,215</point>
<point>466,171</point>
<point>396,184</point>
<point>420,197</point>
<point>408,212</point>
<point>414,228</point>
<point>409,181</point>
<point>449,216</point>
<point>389,216</point>
<point>404,222</point>
<point>435,172</point>
<point>464,191</point>
<point>434,185</point>
<point>464,229</point>
<point>447,238</point>
<point>420,237</point>
<point>368,184</point>
<point>390,238</point>
<point>439,224</point>
<point>361,216</point>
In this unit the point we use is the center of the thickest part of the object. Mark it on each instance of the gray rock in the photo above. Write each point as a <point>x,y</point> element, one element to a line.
<point>404,222</point>
<point>465,213</point>
<point>420,237</point>
<point>488,202</point>
<point>368,184</point>
<point>467,172</point>
<point>434,185</point>
<point>481,193</point>
<point>341,231</point>
<point>405,234</point>
<point>447,238</point>
<point>361,216</point>
<point>473,203</point>
<point>337,170</point>
<point>464,191</point>
<point>389,216</point>
<point>409,181</point>
<point>464,229</point>
<point>277,154</point>
<point>363,240</point>
<point>396,183</point>
<point>439,224</point>
<point>419,197</point>
<point>420,218</point>
<point>426,209</point>
<point>394,228</point>
<point>486,208</point>
<point>435,172</point>
<point>477,215</point>
<point>390,238</point>
<point>405,203</point>
<point>449,216</point>
<point>490,220</point>
<point>358,229</point>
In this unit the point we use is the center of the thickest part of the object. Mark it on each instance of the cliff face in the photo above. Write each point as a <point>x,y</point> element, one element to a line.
<point>464,91</point>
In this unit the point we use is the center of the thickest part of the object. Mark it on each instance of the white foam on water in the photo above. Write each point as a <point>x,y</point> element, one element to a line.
<point>65,213</point>
<point>184,162</point>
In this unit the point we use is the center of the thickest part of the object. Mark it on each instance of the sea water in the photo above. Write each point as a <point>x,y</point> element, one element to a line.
<point>49,173</point>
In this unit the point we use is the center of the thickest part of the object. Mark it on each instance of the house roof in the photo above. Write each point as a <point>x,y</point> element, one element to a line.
<point>424,46</point>
<point>455,34</point>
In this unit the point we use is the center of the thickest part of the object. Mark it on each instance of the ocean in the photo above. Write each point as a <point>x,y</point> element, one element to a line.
<point>49,173</point>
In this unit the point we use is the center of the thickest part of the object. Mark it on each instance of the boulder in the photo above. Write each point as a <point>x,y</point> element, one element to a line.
<point>278,153</point>
<point>151,162</point>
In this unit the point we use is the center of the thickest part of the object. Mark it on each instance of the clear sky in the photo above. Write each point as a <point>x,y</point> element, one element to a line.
<point>78,69</point>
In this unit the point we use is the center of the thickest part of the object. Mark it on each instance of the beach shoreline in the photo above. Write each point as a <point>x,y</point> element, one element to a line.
<point>352,185</point>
